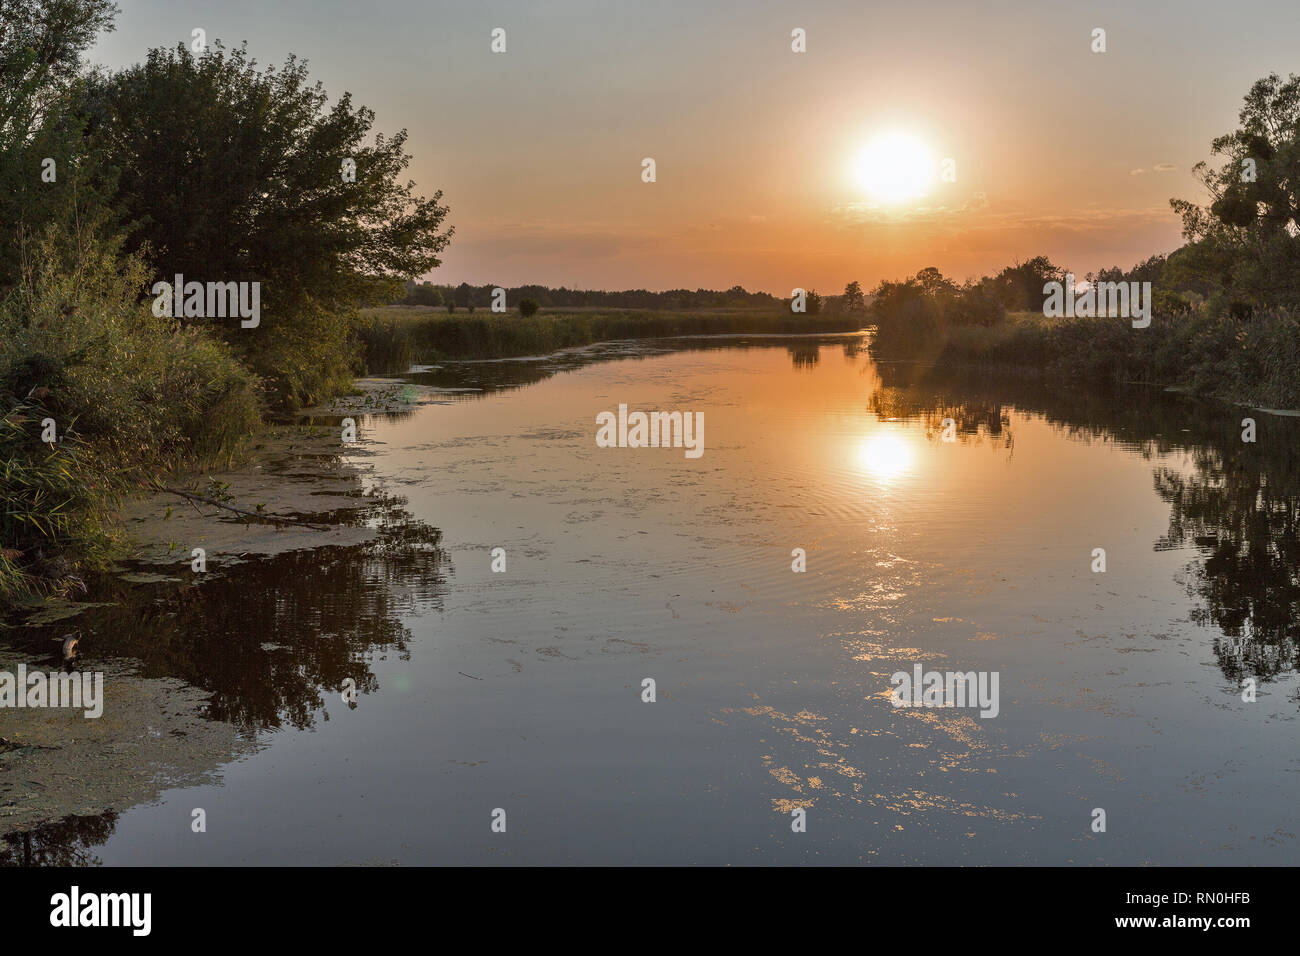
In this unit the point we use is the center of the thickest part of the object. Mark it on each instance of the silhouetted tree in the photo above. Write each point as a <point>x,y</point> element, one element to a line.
<point>854,300</point>
<point>1246,242</point>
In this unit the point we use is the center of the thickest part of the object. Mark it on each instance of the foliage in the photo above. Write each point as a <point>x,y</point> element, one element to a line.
<point>423,293</point>
<point>40,46</point>
<point>396,337</point>
<point>1245,245</point>
<point>130,395</point>
<point>233,173</point>
<point>913,317</point>
<point>40,57</point>
<point>854,300</point>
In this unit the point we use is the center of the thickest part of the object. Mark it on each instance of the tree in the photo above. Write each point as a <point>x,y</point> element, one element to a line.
<point>41,42</point>
<point>231,173</point>
<point>854,300</point>
<point>931,282</point>
<point>1246,242</point>
<point>1020,287</point>
<point>425,293</point>
<point>527,307</point>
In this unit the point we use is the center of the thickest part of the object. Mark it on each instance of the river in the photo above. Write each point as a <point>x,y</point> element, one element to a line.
<point>517,696</point>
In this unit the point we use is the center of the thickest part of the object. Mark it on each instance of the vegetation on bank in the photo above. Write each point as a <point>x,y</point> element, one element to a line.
<point>102,395</point>
<point>393,339</point>
<point>199,164</point>
<point>1223,307</point>
<point>470,297</point>
<point>1256,361</point>
<point>205,165</point>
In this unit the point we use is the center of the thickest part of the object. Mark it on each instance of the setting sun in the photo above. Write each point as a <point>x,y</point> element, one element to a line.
<point>894,168</point>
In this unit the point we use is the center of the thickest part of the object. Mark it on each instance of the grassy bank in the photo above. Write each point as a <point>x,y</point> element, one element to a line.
<point>133,397</point>
<point>392,339</point>
<point>1254,360</point>
<point>99,396</point>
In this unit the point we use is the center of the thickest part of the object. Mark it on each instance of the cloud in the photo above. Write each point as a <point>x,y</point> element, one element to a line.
<point>862,213</point>
<point>1164,167</point>
<point>1136,172</point>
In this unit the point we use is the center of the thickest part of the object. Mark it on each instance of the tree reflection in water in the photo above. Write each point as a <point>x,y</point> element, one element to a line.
<point>272,639</point>
<point>1239,506</point>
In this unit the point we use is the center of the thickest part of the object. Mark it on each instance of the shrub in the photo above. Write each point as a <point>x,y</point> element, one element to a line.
<point>527,307</point>
<point>131,395</point>
<point>974,306</point>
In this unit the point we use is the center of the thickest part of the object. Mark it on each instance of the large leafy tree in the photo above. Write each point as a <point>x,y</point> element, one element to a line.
<point>41,43</point>
<point>1020,287</point>
<point>228,172</point>
<point>1246,241</point>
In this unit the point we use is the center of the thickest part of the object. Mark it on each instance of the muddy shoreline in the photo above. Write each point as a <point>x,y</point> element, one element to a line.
<point>155,732</point>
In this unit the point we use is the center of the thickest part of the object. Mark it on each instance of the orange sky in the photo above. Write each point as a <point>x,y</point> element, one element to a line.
<point>1059,150</point>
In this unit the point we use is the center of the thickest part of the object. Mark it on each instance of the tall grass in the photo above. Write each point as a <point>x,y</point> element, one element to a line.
<point>392,339</point>
<point>128,395</point>
<point>1254,360</point>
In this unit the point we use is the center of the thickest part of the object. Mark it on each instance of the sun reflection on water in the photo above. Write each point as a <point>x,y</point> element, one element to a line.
<point>886,455</point>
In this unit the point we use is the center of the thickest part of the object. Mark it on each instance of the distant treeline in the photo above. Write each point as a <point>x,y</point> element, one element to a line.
<point>471,297</point>
<point>1018,287</point>
<point>1223,318</point>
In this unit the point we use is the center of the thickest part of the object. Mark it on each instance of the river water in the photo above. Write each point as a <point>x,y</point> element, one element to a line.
<point>522,691</point>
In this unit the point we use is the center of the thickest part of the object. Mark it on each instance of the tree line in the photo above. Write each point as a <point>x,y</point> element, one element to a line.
<point>1240,257</point>
<point>471,297</point>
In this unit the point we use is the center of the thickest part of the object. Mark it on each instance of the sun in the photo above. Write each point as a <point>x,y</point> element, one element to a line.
<point>895,168</point>
<point>886,455</point>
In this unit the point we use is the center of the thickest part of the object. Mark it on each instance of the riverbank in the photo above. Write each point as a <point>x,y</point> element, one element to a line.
<point>163,730</point>
<point>1253,362</point>
<point>182,400</point>
<point>393,339</point>
<point>604,585</point>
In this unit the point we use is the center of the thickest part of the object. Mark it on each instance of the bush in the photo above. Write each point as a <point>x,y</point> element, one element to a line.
<point>131,396</point>
<point>527,307</point>
<point>915,318</point>
<point>974,306</point>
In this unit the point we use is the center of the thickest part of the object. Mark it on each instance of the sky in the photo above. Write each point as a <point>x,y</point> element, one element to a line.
<point>1056,149</point>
